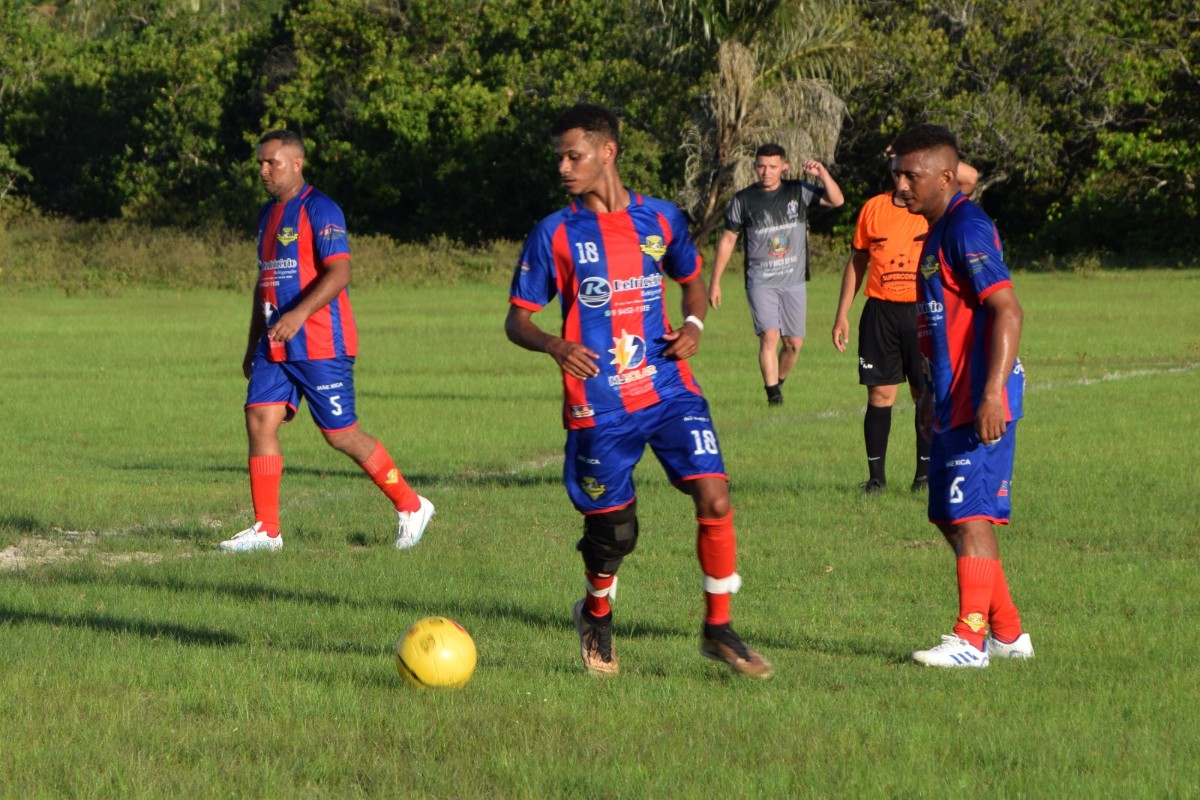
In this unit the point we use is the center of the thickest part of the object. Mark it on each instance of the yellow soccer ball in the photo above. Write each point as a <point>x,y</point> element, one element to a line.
<point>436,651</point>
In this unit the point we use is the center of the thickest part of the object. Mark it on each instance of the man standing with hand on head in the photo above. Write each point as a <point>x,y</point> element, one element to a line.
<point>774,215</point>
<point>969,328</point>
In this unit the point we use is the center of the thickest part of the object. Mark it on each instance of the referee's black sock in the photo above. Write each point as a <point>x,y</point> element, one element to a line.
<point>922,453</point>
<point>877,424</point>
<point>774,394</point>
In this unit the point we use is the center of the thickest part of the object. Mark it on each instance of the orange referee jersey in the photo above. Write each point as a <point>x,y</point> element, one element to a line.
<point>893,238</point>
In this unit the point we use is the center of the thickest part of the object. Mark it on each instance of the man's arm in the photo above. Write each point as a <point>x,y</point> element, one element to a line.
<point>1005,318</point>
<point>318,295</point>
<point>852,278</point>
<point>833,193</point>
<point>572,357</point>
<point>685,340</point>
<point>725,249</point>
<point>967,176</point>
<point>258,325</point>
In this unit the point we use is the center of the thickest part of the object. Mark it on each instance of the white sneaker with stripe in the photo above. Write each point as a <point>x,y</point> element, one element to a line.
<point>952,652</point>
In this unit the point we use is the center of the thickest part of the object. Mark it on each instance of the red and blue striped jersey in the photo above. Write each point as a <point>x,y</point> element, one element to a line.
<point>296,241</point>
<point>962,263</point>
<point>608,272</point>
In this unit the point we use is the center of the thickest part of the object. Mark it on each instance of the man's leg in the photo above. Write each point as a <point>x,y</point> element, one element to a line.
<point>877,426</point>
<point>921,475</point>
<point>768,364</point>
<point>266,463</point>
<point>266,473</point>
<point>716,547</point>
<point>788,353</point>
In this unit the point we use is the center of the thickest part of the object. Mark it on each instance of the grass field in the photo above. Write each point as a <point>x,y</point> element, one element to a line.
<point>136,661</point>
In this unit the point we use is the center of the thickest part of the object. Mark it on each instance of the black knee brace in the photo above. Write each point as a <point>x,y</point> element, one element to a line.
<point>608,538</point>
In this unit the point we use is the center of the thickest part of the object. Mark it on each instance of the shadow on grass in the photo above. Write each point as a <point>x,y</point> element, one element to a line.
<point>110,624</point>
<point>20,524</point>
<point>419,480</point>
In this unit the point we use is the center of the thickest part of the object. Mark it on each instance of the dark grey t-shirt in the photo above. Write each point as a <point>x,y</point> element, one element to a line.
<point>774,224</point>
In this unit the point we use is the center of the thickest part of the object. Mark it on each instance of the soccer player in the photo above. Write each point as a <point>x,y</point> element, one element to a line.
<point>886,246</point>
<point>969,327</point>
<point>774,215</point>
<point>302,344</point>
<point>626,380</point>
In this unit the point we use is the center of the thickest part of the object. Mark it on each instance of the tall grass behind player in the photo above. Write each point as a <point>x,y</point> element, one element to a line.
<point>626,380</point>
<point>302,344</point>
<point>969,329</point>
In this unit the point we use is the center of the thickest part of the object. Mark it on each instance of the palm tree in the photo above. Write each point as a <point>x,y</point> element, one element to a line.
<point>781,67</point>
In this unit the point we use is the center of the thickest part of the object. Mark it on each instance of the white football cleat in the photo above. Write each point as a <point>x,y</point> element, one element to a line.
<point>253,538</point>
<point>1021,647</point>
<point>412,524</point>
<point>952,652</point>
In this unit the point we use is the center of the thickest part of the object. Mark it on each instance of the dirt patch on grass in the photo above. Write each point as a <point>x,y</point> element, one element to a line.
<point>60,546</point>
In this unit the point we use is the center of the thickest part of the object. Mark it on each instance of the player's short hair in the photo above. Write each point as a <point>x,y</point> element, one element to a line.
<point>595,121</point>
<point>770,149</point>
<point>924,137</point>
<point>283,137</point>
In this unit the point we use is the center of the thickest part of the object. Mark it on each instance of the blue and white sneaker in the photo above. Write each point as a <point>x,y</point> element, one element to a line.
<point>1020,648</point>
<point>952,652</point>
<point>253,538</point>
<point>412,524</point>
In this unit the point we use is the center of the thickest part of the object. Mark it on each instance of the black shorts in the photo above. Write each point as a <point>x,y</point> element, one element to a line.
<point>888,353</point>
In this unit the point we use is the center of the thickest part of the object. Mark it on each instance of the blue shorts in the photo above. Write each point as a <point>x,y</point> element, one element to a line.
<point>599,461</point>
<point>327,384</point>
<point>970,480</point>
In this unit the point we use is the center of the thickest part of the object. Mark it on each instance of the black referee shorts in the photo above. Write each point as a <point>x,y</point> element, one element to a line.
<point>888,352</point>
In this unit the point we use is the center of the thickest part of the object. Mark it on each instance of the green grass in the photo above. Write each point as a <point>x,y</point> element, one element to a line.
<point>135,661</point>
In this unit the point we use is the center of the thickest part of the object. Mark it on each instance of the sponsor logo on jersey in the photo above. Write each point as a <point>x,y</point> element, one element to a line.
<point>932,307</point>
<point>287,235</point>
<point>270,314</point>
<point>959,462</point>
<point>779,246</point>
<point>929,265</point>
<point>594,292</point>
<point>592,488</point>
<point>278,264</point>
<point>793,209</point>
<point>332,233</point>
<point>974,621</point>
<point>655,247</point>
<point>582,412</point>
<point>976,262</point>
<point>628,352</point>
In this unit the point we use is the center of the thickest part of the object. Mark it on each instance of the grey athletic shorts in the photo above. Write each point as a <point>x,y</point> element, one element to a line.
<point>782,309</point>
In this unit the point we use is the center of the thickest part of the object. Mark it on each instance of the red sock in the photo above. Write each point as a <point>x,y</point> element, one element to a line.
<point>1004,618</point>
<point>976,578</point>
<point>387,477</point>
<point>716,546</point>
<point>266,473</point>
<point>598,606</point>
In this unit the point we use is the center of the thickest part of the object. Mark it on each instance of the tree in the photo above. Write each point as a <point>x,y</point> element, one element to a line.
<point>777,79</point>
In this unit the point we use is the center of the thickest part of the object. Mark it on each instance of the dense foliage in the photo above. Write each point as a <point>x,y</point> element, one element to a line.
<point>429,117</point>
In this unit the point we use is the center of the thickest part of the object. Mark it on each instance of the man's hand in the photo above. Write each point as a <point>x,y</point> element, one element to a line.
<point>841,333</point>
<point>685,342</point>
<point>990,420</point>
<point>573,358</point>
<point>714,295</point>
<point>287,327</point>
